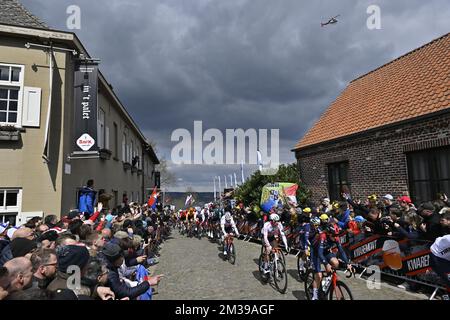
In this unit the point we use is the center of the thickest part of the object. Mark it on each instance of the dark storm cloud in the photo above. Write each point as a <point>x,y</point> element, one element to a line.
<point>238,63</point>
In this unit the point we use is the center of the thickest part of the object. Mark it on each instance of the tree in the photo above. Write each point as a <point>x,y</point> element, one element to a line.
<point>250,191</point>
<point>168,179</point>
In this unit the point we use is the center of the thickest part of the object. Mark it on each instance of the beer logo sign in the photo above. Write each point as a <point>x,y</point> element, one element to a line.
<point>85,142</point>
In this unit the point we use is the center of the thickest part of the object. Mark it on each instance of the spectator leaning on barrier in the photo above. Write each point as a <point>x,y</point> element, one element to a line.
<point>114,257</point>
<point>431,227</point>
<point>445,223</point>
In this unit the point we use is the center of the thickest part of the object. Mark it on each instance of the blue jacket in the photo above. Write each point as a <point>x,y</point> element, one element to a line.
<point>343,219</point>
<point>87,200</point>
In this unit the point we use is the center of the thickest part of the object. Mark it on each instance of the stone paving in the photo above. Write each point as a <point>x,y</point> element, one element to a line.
<point>194,270</point>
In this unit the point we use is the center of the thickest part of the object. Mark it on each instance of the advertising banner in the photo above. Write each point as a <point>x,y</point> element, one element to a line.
<point>85,109</point>
<point>273,193</point>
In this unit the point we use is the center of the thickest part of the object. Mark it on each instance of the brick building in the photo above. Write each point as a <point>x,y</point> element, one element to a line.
<point>388,132</point>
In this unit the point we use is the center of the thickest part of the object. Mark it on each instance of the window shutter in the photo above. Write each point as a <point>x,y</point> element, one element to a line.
<point>31,112</point>
<point>107,138</point>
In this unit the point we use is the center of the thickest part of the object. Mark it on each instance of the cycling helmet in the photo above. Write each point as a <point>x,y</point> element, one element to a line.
<point>307,210</point>
<point>227,216</point>
<point>315,221</point>
<point>324,217</point>
<point>274,217</point>
<point>360,219</point>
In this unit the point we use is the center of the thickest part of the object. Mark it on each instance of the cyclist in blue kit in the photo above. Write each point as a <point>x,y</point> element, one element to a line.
<point>325,240</point>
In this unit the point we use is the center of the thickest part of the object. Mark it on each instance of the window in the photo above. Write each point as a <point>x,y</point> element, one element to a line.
<point>11,91</point>
<point>337,179</point>
<point>429,173</point>
<point>138,153</point>
<point>124,147</point>
<point>131,152</point>
<point>101,129</point>
<point>10,202</point>
<point>116,141</point>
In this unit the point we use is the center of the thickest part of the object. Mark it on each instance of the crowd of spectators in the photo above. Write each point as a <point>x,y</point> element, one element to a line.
<point>106,255</point>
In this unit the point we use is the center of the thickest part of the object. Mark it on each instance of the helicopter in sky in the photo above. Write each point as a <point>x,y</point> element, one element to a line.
<point>331,21</point>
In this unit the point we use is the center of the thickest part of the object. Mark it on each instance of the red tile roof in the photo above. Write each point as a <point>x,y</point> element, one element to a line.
<point>413,85</point>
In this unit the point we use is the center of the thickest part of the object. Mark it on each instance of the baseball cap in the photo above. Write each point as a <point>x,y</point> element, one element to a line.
<point>404,199</point>
<point>120,235</point>
<point>73,214</point>
<point>112,251</point>
<point>388,197</point>
<point>3,227</point>
<point>11,231</point>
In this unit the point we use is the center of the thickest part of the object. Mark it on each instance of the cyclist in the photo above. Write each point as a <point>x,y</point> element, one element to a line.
<point>228,226</point>
<point>190,215</point>
<point>272,229</point>
<point>322,245</point>
<point>217,216</point>
<point>200,218</point>
<point>307,232</point>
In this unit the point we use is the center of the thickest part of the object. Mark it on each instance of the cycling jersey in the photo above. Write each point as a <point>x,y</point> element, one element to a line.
<point>321,249</point>
<point>228,226</point>
<point>306,235</point>
<point>269,232</point>
<point>200,216</point>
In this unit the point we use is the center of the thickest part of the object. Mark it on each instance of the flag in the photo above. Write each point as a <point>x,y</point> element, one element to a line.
<point>189,200</point>
<point>242,172</point>
<point>259,160</point>
<point>152,200</point>
<point>141,276</point>
<point>291,193</point>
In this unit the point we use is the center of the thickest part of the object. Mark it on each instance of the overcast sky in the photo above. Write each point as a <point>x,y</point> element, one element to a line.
<point>239,63</point>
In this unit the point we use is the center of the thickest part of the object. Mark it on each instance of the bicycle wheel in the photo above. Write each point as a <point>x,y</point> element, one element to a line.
<point>309,280</point>
<point>264,276</point>
<point>280,276</point>
<point>301,268</point>
<point>341,292</point>
<point>231,254</point>
<point>283,258</point>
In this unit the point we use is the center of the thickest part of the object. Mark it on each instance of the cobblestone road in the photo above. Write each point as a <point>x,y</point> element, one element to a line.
<point>194,270</point>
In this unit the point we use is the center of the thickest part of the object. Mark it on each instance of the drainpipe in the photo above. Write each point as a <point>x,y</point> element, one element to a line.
<point>143,173</point>
<point>46,152</point>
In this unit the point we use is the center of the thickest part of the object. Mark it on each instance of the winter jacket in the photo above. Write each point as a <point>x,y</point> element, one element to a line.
<point>86,200</point>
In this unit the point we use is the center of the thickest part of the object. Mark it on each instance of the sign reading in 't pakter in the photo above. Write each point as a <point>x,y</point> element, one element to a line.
<point>85,117</point>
